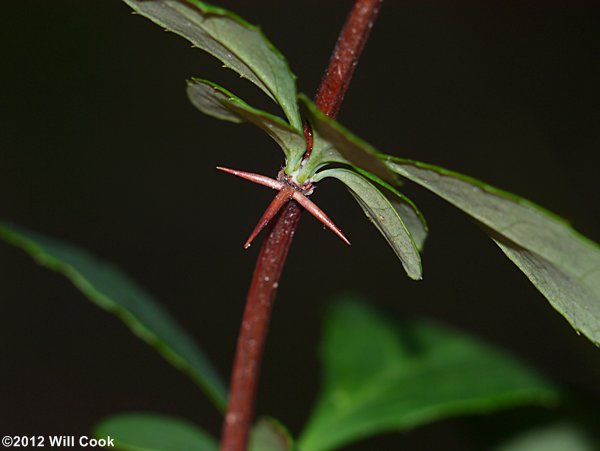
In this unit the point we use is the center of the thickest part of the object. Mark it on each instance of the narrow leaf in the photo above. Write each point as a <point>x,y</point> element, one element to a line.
<point>239,45</point>
<point>381,375</point>
<point>408,211</point>
<point>154,432</point>
<point>110,289</point>
<point>216,101</point>
<point>561,263</point>
<point>383,215</point>
<point>412,218</point>
<point>567,293</point>
<point>269,435</point>
<point>335,144</point>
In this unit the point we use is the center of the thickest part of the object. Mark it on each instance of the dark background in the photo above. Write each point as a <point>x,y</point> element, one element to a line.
<point>99,146</point>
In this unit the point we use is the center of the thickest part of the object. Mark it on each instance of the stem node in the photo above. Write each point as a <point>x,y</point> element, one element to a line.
<point>275,247</point>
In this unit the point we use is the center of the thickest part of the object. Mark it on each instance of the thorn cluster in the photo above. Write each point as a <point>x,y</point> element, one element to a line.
<point>287,191</point>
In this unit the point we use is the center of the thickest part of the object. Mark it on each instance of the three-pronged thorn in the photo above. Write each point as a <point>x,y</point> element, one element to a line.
<point>286,192</point>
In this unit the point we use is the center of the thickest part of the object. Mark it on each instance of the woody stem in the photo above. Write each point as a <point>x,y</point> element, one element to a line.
<point>280,232</point>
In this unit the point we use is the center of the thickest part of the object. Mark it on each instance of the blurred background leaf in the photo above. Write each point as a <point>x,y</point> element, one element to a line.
<point>382,375</point>
<point>554,437</point>
<point>112,290</point>
<point>270,435</point>
<point>154,432</point>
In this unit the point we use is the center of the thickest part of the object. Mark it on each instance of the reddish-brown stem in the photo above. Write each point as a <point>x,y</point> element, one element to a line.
<point>308,137</point>
<point>275,247</point>
<point>255,324</point>
<point>348,48</point>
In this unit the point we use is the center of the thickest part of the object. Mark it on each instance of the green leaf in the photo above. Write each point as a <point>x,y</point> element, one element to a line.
<point>335,144</point>
<point>561,263</point>
<point>154,432</point>
<point>412,218</point>
<point>110,289</point>
<point>269,435</point>
<point>381,375</point>
<point>215,101</point>
<point>239,45</point>
<point>383,215</point>
<point>408,211</point>
<point>561,436</point>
